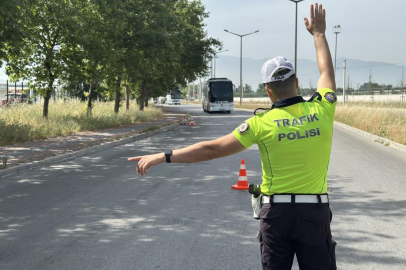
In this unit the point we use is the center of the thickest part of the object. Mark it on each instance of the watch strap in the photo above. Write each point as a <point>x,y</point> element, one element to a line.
<point>168,154</point>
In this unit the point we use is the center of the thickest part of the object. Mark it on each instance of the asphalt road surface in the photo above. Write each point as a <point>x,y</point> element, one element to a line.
<point>95,212</point>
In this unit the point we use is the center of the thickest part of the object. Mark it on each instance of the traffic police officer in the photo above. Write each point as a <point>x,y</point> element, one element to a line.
<point>294,139</point>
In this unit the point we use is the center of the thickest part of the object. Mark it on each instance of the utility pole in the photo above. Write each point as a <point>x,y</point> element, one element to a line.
<point>214,72</point>
<point>402,85</point>
<point>242,90</point>
<point>7,92</point>
<point>311,87</point>
<point>200,89</point>
<point>370,82</point>
<point>344,74</point>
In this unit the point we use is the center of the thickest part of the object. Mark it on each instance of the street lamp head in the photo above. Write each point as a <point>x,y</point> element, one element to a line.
<point>337,29</point>
<point>226,30</point>
<point>215,53</point>
<point>256,31</point>
<point>296,1</point>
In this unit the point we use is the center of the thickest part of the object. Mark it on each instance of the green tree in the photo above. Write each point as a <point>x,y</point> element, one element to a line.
<point>261,91</point>
<point>142,48</point>
<point>247,89</point>
<point>9,29</point>
<point>40,57</point>
<point>88,60</point>
<point>172,47</point>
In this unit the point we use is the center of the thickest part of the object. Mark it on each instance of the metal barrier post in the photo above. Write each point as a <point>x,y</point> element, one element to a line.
<point>7,92</point>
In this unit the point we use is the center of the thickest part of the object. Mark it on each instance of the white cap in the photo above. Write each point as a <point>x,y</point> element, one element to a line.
<point>270,67</point>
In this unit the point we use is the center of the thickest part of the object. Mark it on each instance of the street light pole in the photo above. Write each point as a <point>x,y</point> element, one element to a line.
<point>215,56</point>
<point>296,2</point>
<point>211,70</point>
<point>344,74</point>
<point>241,36</point>
<point>241,87</point>
<point>336,31</point>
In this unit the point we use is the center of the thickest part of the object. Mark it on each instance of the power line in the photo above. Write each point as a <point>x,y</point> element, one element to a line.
<point>378,65</point>
<point>310,74</point>
<point>358,67</point>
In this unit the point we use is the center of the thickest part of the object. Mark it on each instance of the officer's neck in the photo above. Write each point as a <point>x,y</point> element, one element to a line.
<point>275,99</point>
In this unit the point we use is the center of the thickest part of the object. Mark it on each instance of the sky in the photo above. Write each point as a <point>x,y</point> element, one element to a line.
<point>372,30</point>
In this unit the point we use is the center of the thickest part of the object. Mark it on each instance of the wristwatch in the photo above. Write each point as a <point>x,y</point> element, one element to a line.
<point>168,154</point>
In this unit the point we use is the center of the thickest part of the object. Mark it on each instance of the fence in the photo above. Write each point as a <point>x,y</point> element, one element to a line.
<point>7,90</point>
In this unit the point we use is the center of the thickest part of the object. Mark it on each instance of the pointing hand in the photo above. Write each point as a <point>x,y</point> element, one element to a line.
<point>144,162</point>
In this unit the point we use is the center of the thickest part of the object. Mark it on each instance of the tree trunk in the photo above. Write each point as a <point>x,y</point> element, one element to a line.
<point>146,96</point>
<point>118,97</point>
<point>89,101</point>
<point>127,98</point>
<point>142,95</point>
<point>47,97</point>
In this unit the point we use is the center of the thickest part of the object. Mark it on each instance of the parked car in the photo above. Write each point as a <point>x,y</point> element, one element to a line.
<point>13,98</point>
<point>162,100</point>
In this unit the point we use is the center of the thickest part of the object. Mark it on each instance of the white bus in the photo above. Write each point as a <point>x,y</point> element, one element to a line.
<point>174,97</point>
<point>218,95</point>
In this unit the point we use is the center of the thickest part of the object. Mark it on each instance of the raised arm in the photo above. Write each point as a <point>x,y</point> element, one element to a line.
<point>317,27</point>
<point>203,151</point>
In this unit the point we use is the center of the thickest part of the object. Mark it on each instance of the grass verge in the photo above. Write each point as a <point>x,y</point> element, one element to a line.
<point>25,122</point>
<point>386,120</point>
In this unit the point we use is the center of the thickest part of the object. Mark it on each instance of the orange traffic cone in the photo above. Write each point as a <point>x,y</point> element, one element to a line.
<point>242,183</point>
<point>192,122</point>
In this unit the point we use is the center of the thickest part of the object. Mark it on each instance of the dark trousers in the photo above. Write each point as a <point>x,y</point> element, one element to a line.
<point>301,228</point>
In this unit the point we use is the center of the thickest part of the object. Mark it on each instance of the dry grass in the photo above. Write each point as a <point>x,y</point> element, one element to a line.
<point>25,122</point>
<point>387,120</point>
<point>253,105</point>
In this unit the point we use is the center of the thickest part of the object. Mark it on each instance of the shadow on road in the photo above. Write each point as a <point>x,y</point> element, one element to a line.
<point>362,245</point>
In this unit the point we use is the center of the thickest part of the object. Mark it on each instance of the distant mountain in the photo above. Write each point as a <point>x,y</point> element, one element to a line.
<point>357,70</point>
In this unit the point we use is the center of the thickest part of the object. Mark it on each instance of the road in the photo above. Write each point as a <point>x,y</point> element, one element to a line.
<point>94,212</point>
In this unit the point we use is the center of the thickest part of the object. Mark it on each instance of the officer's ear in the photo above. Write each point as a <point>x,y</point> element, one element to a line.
<point>297,84</point>
<point>268,91</point>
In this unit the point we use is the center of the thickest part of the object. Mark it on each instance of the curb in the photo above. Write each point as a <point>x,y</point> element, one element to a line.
<point>383,141</point>
<point>64,157</point>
